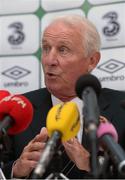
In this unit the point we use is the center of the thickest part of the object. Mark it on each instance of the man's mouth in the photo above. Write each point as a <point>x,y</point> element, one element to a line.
<point>51,75</point>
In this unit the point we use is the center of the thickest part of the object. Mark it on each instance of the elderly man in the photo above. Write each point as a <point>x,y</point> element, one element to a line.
<point>70,48</point>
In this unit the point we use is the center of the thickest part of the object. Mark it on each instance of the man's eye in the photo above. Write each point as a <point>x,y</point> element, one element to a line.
<point>63,49</point>
<point>46,49</point>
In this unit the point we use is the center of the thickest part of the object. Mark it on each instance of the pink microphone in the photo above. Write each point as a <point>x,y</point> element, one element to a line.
<point>108,137</point>
<point>106,128</point>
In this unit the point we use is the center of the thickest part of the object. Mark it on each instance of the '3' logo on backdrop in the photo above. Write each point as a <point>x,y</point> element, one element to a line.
<point>113,26</point>
<point>18,36</point>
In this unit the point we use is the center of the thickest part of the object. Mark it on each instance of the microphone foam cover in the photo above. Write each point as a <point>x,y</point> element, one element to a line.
<point>85,81</point>
<point>3,93</point>
<point>106,128</point>
<point>65,119</point>
<point>19,108</point>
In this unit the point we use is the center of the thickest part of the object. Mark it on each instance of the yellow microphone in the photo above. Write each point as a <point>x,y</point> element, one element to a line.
<point>65,119</point>
<point>63,123</point>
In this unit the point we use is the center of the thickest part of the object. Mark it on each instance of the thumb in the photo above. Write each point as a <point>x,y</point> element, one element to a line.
<point>44,130</point>
<point>43,135</point>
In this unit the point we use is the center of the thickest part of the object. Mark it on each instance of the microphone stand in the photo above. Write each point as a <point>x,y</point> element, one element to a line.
<point>93,151</point>
<point>91,117</point>
<point>2,177</point>
<point>48,155</point>
<point>103,160</point>
<point>5,146</point>
<point>4,149</point>
<point>108,169</point>
<point>57,166</point>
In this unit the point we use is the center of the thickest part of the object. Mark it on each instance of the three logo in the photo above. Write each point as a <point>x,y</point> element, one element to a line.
<point>18,35</point>
<point>113,26</point>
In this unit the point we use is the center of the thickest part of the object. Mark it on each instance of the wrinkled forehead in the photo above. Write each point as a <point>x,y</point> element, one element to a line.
<point>60,28</point>
<point>61,24</point>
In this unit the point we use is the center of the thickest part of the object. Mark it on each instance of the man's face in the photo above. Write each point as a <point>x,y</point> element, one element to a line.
<point>63,59</point>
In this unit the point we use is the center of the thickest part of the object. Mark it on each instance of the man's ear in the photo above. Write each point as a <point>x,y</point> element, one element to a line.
<point>94,60</point>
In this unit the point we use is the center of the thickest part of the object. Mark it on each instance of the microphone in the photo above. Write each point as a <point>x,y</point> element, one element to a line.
<point>108,137</point>
<point>65,119</point>
<point>3,93</point>
<point>88,88</point>
<point>62,124</point>
<point>16,113</point>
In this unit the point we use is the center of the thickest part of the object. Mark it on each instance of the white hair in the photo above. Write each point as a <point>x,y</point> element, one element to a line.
<point>88,31</point>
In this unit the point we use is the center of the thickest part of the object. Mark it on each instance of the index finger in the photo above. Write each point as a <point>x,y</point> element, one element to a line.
<point>42,136</point>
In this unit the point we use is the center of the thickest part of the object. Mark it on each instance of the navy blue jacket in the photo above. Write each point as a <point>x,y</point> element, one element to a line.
<point>110,107</point>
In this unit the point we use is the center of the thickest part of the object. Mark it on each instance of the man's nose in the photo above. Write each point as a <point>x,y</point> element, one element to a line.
<point>52,58</point>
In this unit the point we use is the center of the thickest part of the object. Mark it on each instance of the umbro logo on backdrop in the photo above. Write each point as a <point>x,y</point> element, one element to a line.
<point>111,66</point>
<point>16,72</point>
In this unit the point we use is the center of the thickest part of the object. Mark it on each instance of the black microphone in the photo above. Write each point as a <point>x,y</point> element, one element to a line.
<point>88,88</point>
<point>108,137</point>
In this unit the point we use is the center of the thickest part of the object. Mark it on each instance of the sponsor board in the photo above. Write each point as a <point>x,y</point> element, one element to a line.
<point>111,68</point>
<point>103,1</point>
<point>53,5</point>
<point>18,6</point>
<point>19,35</point>
<point>19,74</point>
<point>110,24</point>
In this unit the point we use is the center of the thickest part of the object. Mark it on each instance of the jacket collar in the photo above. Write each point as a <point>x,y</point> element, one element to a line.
<point>103,100</point>
<point>39,97</point>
